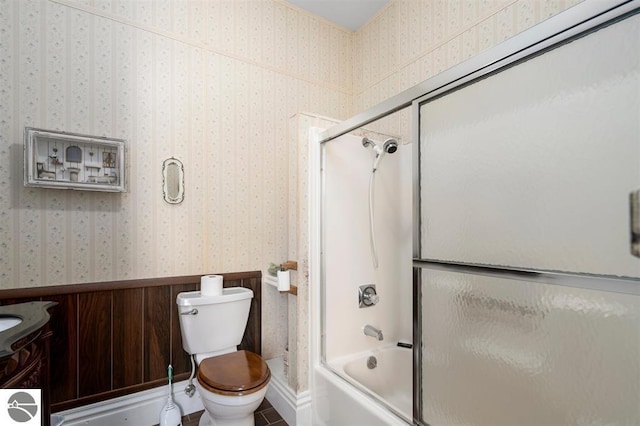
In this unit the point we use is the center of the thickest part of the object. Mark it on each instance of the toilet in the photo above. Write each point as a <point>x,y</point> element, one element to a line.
<point>231,383</point>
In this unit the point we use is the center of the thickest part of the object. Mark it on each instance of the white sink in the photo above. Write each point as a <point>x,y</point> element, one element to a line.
<point>9,322</point>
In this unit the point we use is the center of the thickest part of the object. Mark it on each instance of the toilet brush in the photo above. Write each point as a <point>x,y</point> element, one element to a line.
<point>170,414</point>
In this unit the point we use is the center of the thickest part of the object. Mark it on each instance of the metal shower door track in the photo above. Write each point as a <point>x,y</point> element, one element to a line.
<point>625,285</point>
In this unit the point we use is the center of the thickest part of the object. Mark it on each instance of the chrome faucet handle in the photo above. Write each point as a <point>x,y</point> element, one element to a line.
<point>367,296</point>
<point>371,297</point>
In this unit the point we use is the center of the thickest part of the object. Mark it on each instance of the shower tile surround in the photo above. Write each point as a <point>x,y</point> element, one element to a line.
<point>222,75</point>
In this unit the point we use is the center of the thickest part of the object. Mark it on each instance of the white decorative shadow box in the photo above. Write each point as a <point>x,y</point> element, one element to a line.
<point>64,160</point>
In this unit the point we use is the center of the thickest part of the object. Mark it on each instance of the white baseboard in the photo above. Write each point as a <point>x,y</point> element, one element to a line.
<point>294,408</point>
<point>138,409</point>
<point>143,408</point>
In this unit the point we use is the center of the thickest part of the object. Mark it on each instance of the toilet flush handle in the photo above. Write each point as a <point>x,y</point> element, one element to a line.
<point>194,311</point>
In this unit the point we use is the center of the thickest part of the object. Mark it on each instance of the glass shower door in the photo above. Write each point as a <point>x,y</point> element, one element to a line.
<point>529,292</point>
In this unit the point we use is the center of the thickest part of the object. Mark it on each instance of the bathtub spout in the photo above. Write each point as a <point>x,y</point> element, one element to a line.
<point>373,332</point>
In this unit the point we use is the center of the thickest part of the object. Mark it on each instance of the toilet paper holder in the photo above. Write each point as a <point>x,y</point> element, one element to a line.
<point>272,279</point>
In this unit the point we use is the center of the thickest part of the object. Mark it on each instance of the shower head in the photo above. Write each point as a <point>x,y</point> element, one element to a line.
<point>390,146</point>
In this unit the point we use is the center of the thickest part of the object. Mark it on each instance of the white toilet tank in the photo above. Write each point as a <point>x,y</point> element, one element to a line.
<point>213,325</point>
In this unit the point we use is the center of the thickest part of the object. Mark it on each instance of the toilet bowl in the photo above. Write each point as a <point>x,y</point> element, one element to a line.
<point>231,383</point>
<point>232,386</point>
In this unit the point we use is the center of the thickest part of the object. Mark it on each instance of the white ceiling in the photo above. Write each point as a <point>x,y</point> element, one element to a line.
<point>350,14</point>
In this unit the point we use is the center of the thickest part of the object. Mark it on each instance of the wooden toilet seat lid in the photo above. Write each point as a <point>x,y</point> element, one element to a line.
<point>236,373</point>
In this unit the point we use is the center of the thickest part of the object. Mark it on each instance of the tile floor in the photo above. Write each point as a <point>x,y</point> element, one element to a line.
<point>265,415</point>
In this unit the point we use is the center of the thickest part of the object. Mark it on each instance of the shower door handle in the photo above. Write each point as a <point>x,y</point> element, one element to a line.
<point>634,223</point>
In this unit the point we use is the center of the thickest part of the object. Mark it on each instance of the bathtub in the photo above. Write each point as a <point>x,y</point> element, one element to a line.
<point>390,381</point>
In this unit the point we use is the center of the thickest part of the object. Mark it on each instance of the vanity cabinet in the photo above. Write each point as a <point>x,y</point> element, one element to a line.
<point>24,352</point>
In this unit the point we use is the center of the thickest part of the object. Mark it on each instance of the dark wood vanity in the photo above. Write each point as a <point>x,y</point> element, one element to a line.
<point>24,350</point>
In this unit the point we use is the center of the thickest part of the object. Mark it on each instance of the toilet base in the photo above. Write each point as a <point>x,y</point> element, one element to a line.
<point>205,420</point>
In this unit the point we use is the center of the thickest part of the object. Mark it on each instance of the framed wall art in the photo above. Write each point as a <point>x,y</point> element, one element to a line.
<point>62,160</point>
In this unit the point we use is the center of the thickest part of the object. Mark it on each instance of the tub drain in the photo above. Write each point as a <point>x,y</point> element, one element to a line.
<point>372,362</point>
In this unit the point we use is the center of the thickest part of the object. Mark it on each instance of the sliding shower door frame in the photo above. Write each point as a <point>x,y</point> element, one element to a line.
<point>608,283</point>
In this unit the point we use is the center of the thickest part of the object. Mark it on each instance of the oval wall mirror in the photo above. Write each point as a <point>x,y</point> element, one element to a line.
<point>172,181</point>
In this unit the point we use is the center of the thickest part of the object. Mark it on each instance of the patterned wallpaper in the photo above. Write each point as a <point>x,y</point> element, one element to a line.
<point>213,84</point>
<point>412,40</point>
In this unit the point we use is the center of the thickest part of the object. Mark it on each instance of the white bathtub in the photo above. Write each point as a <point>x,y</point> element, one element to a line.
<point>391,381</point>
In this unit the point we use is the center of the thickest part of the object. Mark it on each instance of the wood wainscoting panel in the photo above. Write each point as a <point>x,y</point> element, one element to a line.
<point>157,342</point>
<point>64,344</point>
<point>94,346</point>
<point>252,341</point>
<point>115,338</point>
<point>128,343</point>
